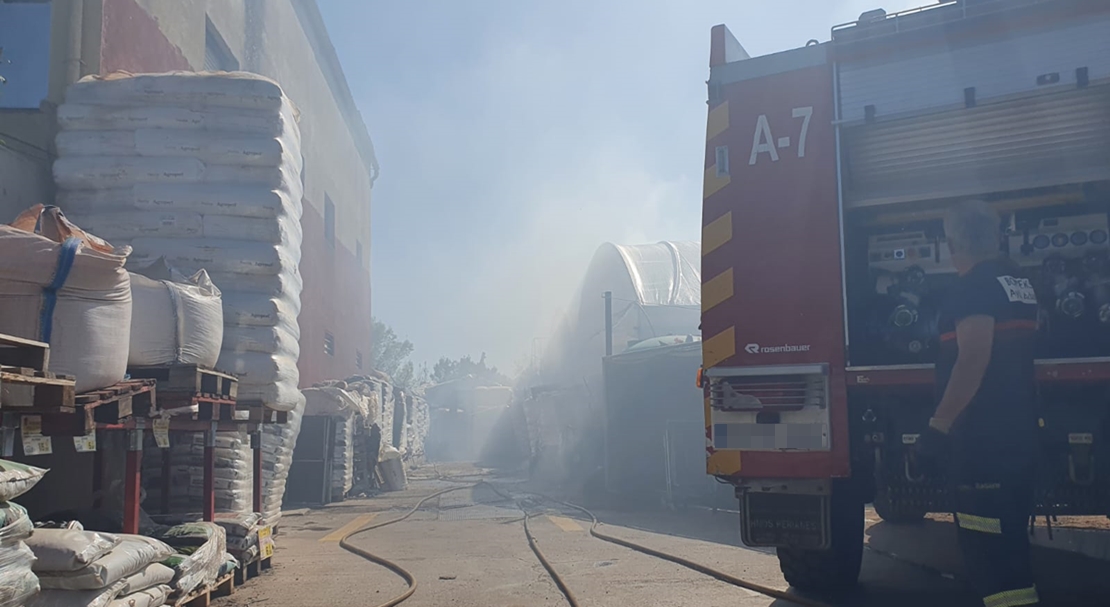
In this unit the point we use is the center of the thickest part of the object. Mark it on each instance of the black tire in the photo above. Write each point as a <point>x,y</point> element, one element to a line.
<point>896,512</point>
<point>834,571</point>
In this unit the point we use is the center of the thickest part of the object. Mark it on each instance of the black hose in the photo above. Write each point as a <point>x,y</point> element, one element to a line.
<point>534,545</point>
<point>384,562</point>
<point>714,573</point>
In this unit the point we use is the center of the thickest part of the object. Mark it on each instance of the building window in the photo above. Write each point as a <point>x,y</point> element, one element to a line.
<point>358,359</point>
<point>358,252</point>
<point>722,161</point>
<point>24,54</point>
<point>329,220</point>
<point>329,344</point>
<point>217,55</point>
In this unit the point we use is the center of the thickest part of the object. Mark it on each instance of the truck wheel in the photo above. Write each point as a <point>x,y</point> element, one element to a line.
<point>836,570</point>
<point>897,512</point>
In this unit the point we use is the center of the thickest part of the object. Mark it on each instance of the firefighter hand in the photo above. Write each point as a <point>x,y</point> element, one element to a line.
<point>940,424</point>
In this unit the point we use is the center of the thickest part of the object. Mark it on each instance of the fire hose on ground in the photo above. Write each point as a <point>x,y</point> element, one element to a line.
<point>410,579</point>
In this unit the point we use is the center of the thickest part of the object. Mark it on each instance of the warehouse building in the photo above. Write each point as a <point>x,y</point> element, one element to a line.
<point>49,44</point>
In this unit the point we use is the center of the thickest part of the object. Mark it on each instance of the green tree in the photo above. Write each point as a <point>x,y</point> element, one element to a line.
<point>390,355</point>
<point>446,370</point>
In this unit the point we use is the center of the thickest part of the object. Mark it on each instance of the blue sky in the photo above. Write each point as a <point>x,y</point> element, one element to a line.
<point>516,136</point>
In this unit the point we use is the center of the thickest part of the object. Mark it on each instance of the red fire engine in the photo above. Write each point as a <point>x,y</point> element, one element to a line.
<point>827,171</point>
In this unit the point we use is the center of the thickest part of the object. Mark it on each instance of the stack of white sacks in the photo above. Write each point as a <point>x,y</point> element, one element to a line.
<point>346,404</point>
<point>233,473</point>
<point>343,459</point>
<point>78,568</point>
<point>202,170</point>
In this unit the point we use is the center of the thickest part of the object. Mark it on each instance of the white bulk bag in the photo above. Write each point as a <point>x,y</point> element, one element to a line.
<point>268,340</point>
<point>80,117</point>
<point>198,90</point>
<point>61,285</point>
<point>235,257</point>
<point>209,147</point>
<point>174,319</point>
<point>255,310</point>
<point>123,226</point>
<point>207,199</point>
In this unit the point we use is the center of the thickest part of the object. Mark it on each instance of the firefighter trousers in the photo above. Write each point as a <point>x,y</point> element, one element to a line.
<point>993,495</point>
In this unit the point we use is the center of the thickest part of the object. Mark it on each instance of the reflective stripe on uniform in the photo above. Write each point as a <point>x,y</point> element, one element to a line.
<point>1013,598</point>
<point>981,524</point>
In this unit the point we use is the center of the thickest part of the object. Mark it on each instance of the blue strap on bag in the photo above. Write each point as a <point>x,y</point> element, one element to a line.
<point>50,292</point>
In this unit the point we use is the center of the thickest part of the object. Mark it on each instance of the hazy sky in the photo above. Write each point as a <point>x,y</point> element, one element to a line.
<point>516,136</point>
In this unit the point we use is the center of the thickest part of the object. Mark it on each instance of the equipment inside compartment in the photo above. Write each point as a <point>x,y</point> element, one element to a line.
<point>899,275</point>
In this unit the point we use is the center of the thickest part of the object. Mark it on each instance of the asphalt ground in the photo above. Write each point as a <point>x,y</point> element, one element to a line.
<point>468,548</point>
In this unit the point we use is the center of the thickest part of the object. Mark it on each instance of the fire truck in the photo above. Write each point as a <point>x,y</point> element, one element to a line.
<point>827,172</point>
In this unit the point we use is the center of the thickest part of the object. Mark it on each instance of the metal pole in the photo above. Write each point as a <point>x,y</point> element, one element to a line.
<point>608,323</point>
<point>256,448</point>
<point>209,473</point>
<point>132,482</point>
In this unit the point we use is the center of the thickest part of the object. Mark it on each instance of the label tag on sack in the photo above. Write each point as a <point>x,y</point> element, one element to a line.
<point>267,549</point>
<point>85,444</point>
<point>34,443</point>
<point>162,432</point>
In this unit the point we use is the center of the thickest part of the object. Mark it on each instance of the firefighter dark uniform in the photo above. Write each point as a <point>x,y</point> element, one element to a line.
<point>993,441</point>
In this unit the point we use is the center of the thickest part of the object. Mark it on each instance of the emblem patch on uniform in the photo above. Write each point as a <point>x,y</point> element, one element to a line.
<point>1018,289</point>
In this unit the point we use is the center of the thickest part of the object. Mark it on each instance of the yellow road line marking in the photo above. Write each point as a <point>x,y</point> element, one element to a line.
<point>359,522</point>
<point>564,523</point>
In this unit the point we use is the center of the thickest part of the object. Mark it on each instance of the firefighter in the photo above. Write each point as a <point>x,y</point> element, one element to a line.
<point>984,423</point>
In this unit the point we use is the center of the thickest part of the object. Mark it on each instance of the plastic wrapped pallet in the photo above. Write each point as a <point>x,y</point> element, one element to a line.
<point>343,458</point>
<point>385,419</point>
<point>17,581</point>
<point>61,285</point>
<point>175,319</point>
<point>201,169</point>
<point>201,552</point>
<point>417,429</point>
<point>233,473</point>
<point>278,442</point>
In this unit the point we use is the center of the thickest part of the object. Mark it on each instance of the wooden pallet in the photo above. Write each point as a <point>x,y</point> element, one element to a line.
<point>209,407</point>
<point>224,586</point>
<point>19,352</point>
<point>189,379</point>
<point>112,405</point>
<point>35,391</point>
<point>253,569</point>
<point>261,414</point>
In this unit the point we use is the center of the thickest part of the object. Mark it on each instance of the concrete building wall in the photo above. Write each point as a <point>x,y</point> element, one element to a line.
<point>25,178</point>
<point>281,39</point>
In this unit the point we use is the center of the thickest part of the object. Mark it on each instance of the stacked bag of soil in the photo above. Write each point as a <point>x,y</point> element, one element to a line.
<point>18,583</point>
<point>243,536</point>
<point>78,568</point>
<point>200,555</point>
<point>233,472</point>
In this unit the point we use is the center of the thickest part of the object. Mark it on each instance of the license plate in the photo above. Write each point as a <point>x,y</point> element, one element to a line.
<point>782,520</point>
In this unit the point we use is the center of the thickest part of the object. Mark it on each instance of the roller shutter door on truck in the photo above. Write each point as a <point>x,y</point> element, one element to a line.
<point>1039,115</point>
